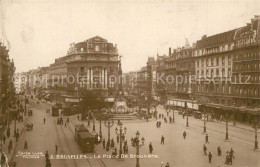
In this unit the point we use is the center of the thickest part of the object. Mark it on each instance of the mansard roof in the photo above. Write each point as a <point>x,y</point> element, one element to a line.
<point>218,39</point>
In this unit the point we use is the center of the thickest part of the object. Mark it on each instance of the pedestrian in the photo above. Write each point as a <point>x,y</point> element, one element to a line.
<point>25,145</point>
<point>56,149</point>
<point>46,156</point>
<point>126,149</point>
<point>227,158</point>
<point>44,120</point>
<point>11,143</point>
<point>219,151</point>
<point>210,156</point>
<point>231,156</point>
<point>16,136</point>
<point>3,159</point>
<point>205,149</point>
<point>117,139</point>
<point>112,143</point>
<point>4,138</point>
<point>123,137</point>
<point>162,139</point>
<point>150,148</point>
<point>207,138</point>
<point>9,148</point>
<point>232,153</point>
<point>184,134</point>
<point>8,132</point>
<point>104,143</point>
<point>48,163</point>
<point>68,120</point>
<point>65,124</point>
<point>78,117</point>
<point>107,146</point>
<point>167,164</point>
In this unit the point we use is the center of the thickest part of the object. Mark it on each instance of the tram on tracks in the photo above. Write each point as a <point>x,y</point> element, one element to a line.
<point>84,138</point>
<point>55,111</point>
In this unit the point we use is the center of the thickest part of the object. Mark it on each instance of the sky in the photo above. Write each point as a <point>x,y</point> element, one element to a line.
<point>38,31</point>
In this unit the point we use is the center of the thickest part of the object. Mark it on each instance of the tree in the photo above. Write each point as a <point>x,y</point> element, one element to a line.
<point>92,100</point>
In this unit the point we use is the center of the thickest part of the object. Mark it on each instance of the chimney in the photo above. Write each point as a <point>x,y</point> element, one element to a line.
<point>170,51</point>
<point>204,36</point>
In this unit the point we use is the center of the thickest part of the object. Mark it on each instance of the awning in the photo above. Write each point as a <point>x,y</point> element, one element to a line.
<point>69,100</point>
<point>110,99</point>
<point>48,95</point>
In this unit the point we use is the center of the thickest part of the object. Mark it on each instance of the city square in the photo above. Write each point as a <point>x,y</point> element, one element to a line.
<point>102,96</point>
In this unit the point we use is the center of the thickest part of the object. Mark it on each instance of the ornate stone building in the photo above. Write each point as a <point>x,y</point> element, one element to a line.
<point>89,65</point>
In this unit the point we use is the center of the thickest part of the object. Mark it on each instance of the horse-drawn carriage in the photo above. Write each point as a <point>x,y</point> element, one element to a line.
<point>29,127</point>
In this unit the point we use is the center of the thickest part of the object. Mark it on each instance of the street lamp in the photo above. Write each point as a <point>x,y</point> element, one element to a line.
<point>94,121</point>
<point>187,115</point>
<point>135,143</point>
<point>1,131</point>
<point>109,124</point>
<point>204,129</point>
<point>234,114</point>
<point>120,124</point>
<point>256,126</point>
<point>226,127</point>
<point>100,130</point>
<point>173,114</point>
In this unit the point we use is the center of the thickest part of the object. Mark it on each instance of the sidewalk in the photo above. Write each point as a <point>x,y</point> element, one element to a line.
<point>21,127</point>
<point>239,125</point>
<point>106,161</point>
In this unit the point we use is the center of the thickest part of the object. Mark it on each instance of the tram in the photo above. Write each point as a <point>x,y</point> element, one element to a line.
<point>55,111</point>
<point>84,138</point>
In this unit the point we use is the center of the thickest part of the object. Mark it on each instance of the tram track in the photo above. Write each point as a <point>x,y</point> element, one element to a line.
<point>62,138</point>
<point>92,161</point>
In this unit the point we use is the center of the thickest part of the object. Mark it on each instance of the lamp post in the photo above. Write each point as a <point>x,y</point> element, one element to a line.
<point>136,144</point>
<point>256,126</point>
<point>15,116</point>
<point>173,115</point>
<point>226,127</point>
<point>1,128</point>
<point>120,137</point>
<point>234,115</point>
<point>109,124</point>
<point>187,115</point>
<point>100,129</point>
<point>204,129</point>
<point>94,121</point>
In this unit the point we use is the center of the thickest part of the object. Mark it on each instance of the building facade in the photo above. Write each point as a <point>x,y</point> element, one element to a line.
<point>89,65</point>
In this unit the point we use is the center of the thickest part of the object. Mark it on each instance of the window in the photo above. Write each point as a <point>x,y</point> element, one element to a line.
<point>217,61</point>
<point>229,72</point>
<point>223,61</point>
<point>212,62</point>
<point>229,89</point>
<point>207,63</point>
<point>229,60</point>
<point>81,69</point>
<point>223,71</point>
<point>217,72</point>
<point>212,72</point>
<point>81,49</point>
<point>96,48</point>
